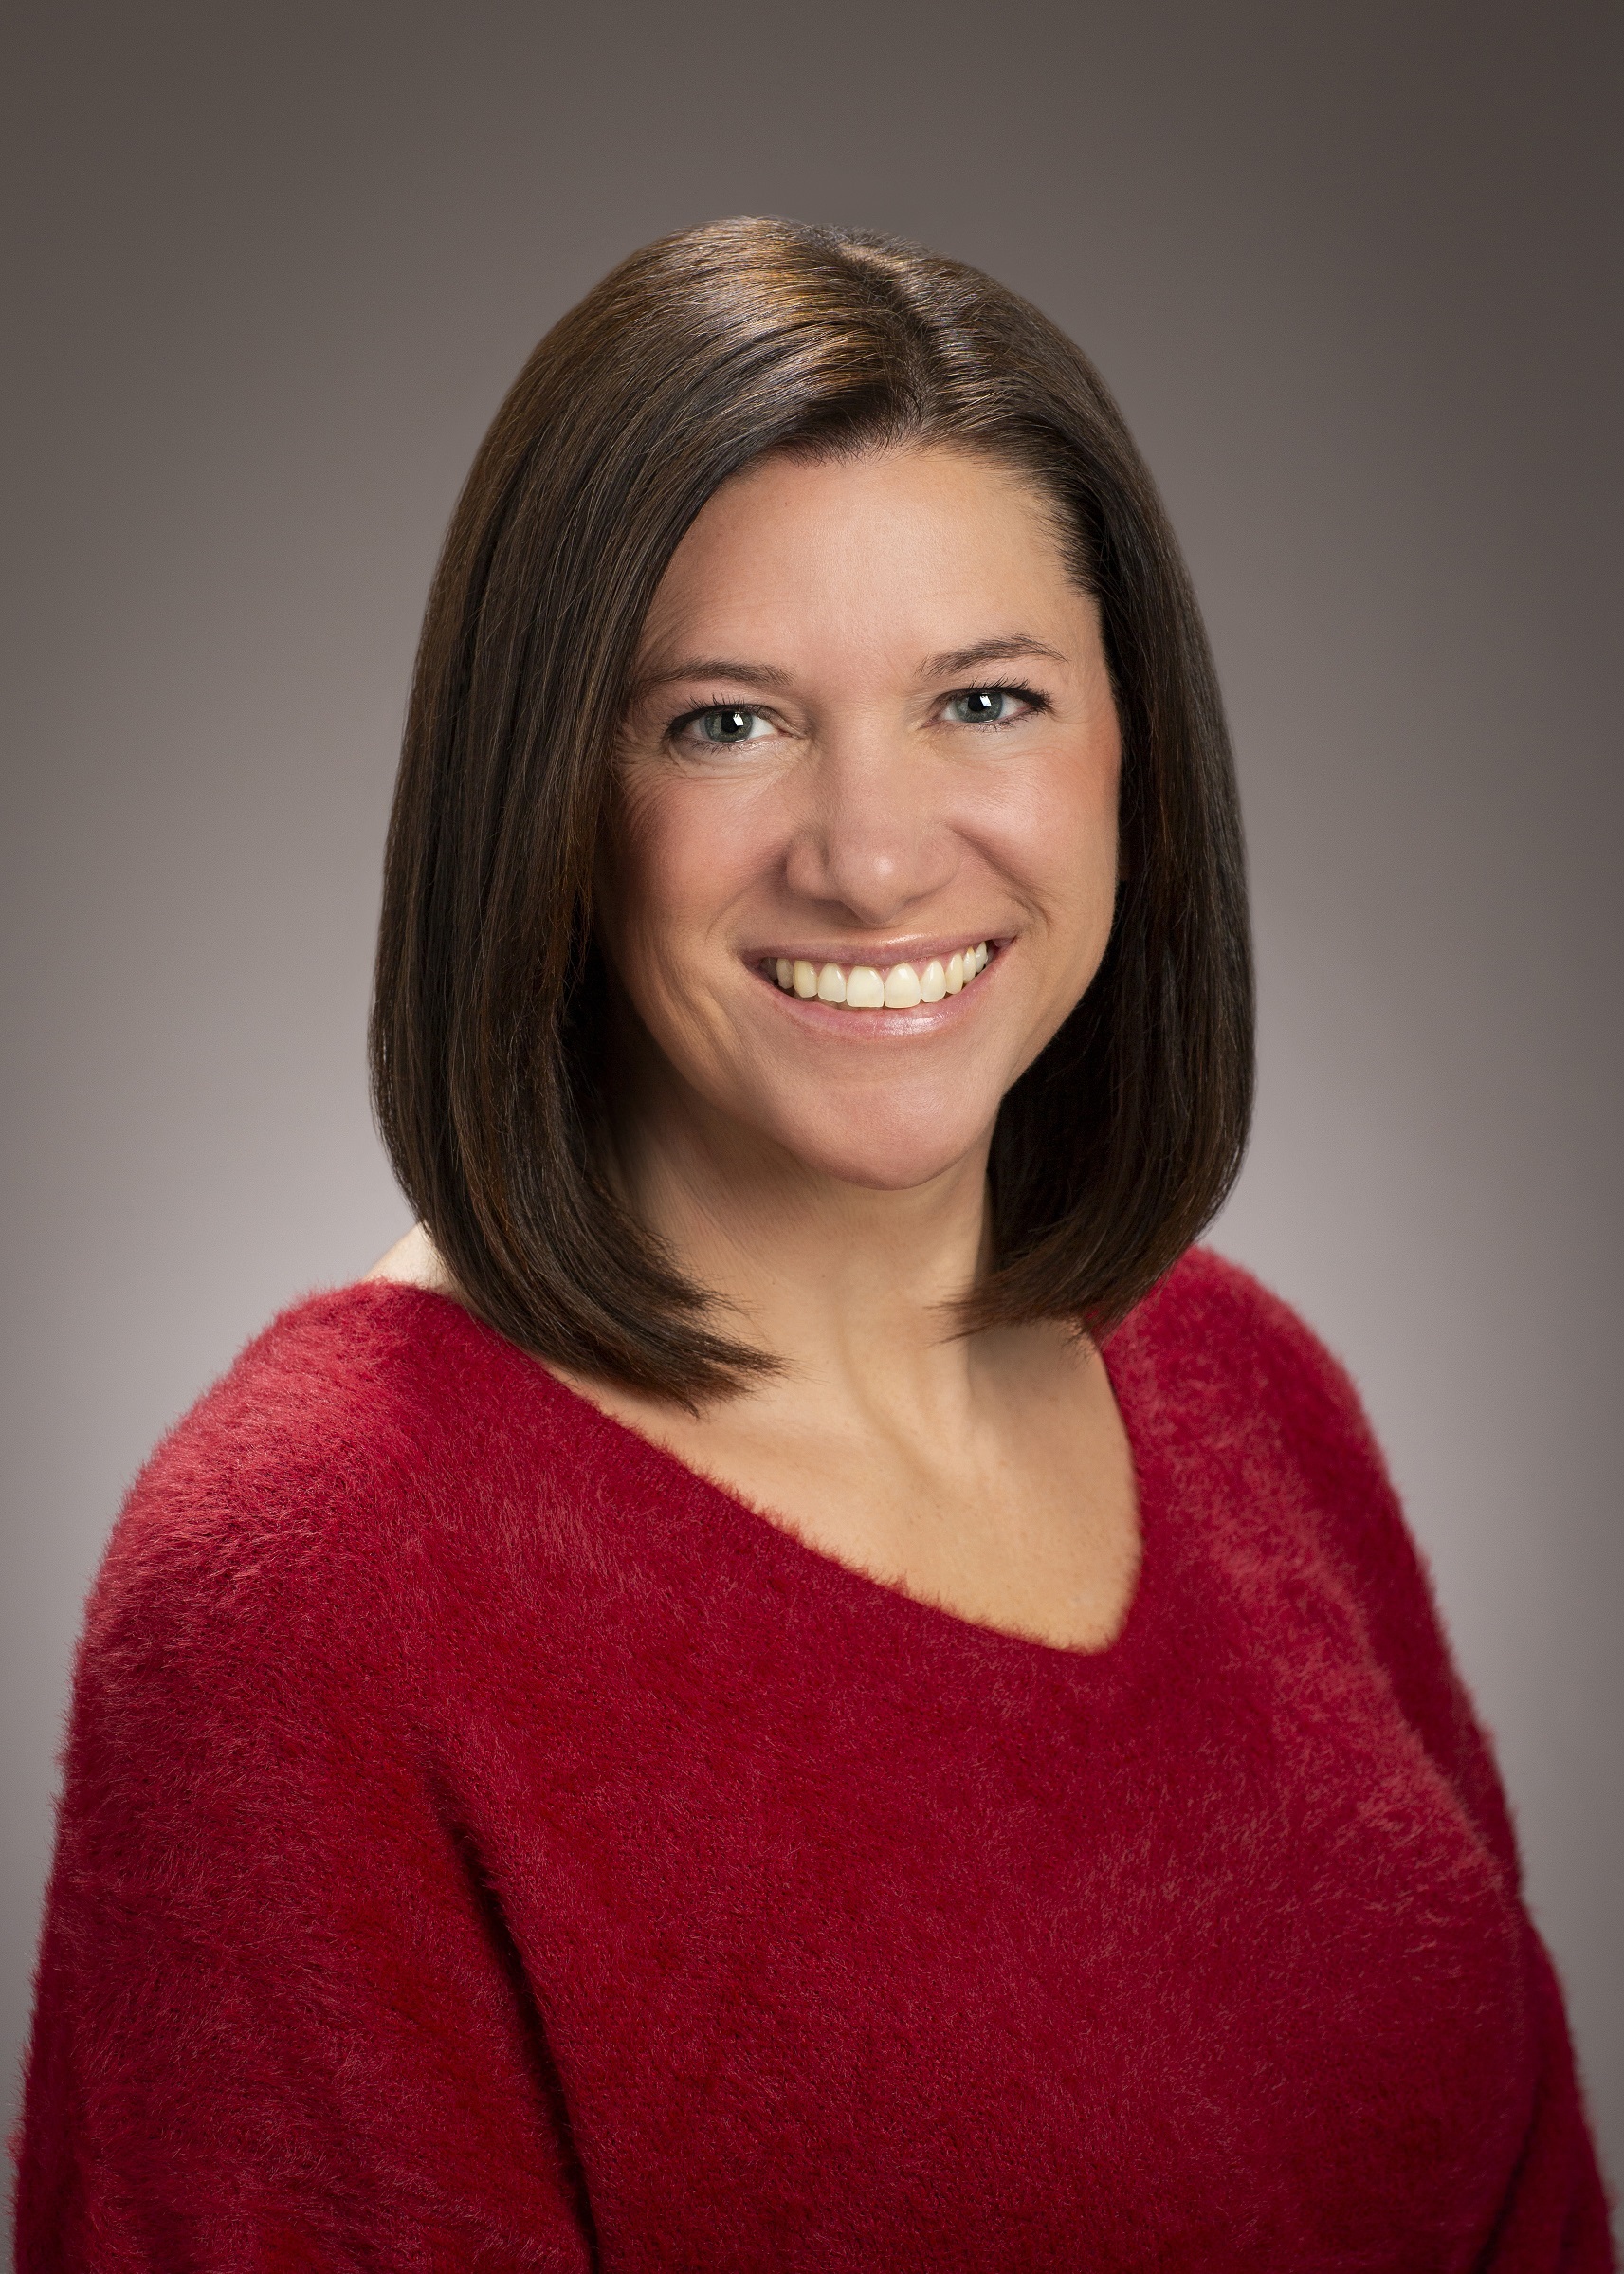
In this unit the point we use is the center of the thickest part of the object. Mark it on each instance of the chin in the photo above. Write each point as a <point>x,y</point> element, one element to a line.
<point>883,1153</point>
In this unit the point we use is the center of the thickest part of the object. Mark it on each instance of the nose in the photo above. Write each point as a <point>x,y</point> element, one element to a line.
<point>875,839</point>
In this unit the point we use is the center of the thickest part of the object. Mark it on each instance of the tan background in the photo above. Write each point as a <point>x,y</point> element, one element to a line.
<point>1348,267</point>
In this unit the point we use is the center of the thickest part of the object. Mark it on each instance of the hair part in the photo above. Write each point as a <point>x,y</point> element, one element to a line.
<point>694,359</point>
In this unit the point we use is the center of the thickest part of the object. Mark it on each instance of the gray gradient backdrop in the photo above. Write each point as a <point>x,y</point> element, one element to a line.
<point>1351,271</point>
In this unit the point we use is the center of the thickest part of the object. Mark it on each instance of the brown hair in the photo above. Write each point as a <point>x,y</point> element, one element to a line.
<point>696,356</point>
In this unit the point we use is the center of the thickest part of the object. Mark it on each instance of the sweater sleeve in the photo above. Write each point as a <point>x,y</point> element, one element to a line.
<point>278,2020</point>
<point>1553,2219</point>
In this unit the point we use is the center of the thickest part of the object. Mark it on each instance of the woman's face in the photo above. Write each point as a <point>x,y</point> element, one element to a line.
<point>872,739</point>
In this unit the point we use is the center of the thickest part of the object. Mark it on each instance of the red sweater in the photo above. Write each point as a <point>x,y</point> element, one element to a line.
<point>486,1843</point>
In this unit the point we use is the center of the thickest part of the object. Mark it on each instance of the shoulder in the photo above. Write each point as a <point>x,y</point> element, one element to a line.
<point>1223,1345</point>
<point>252,1747</point>
<point>1247,1394</point>
<point>1211,1311</point>
<point>319,1413</point>
<point>292,1512</point>
<point>1227,1367</point>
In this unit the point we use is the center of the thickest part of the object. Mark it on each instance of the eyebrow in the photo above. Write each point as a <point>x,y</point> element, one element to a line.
<point>1006,648</point>
<point>754,674</point>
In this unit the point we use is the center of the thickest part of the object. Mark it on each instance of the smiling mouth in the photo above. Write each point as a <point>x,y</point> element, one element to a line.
<point>867,988</point>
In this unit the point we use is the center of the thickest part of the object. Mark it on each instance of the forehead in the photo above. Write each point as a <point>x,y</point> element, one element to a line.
<point>923,543</point>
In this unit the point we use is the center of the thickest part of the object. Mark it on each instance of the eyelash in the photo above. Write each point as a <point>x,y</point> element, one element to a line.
<point>1002,687</point>
<point>981,686</point>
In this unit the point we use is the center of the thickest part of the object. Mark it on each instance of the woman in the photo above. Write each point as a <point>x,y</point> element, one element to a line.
<point>797,1679</point>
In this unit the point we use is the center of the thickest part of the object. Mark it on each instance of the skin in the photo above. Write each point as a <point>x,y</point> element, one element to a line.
<point>824,1169</point>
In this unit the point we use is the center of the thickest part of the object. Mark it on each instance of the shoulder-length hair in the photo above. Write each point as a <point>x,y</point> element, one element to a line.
<point>696,357</point>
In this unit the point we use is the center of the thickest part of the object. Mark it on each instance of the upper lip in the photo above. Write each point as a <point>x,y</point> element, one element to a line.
<point>880,958</point>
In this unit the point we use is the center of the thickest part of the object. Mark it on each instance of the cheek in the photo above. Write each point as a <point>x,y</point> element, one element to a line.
<point>687,851</point>
<point>1051,827</point>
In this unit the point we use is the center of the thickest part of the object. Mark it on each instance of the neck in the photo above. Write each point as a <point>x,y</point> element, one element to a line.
<point>851,1289</point>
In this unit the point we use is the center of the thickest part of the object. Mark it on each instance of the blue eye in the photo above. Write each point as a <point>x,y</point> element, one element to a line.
<point>726,724</point>
<point>980,706</point>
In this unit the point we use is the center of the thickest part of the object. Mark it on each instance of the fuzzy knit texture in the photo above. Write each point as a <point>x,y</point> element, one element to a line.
<point>488,1844</point>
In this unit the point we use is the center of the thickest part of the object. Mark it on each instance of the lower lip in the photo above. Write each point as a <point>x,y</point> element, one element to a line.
<point>880,1026</point>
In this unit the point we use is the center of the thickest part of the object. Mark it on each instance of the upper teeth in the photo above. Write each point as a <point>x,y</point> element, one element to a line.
<point>864,987</point>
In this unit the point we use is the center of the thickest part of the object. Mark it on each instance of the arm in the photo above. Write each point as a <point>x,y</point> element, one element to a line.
<point>1554,2215</point>
<point>277,2023</point>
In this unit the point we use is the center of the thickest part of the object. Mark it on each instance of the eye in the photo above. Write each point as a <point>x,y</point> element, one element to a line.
<point>990,706</point>
<point>722,723</point>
